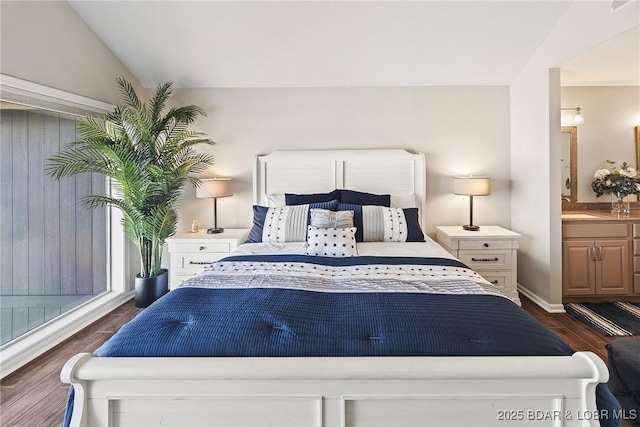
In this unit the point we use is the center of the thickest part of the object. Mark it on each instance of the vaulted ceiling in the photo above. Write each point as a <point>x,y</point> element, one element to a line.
<point>613,62</point>
<point>322,43</point>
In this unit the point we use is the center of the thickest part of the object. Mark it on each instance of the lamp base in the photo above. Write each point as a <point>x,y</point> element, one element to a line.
<point>215,230</point>
<point>471,227</point>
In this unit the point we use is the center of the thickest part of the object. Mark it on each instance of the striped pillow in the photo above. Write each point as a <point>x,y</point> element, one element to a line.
<point>324,218</point>
<point>382,224</point>
<point>284,223</point>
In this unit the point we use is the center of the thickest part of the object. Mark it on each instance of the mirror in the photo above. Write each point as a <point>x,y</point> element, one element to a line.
<point>638,147</point>
<point>604,82</point>
<point>569,161</point>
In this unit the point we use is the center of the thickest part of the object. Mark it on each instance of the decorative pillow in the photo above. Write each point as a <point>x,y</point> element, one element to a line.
<point>276,200</point>
<point>284,223</point>
<point>329,219</point>
<point>342,196</point>
<point>302,199</point>
<point>331,242</point>
<point>360,198</point>
<point>382,224</point>
<point>403,201</point>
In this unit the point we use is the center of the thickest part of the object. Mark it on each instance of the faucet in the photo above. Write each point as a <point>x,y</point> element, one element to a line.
<point>566,199</point>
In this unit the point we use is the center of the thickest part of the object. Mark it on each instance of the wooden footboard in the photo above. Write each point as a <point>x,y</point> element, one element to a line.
<point>335,392</point>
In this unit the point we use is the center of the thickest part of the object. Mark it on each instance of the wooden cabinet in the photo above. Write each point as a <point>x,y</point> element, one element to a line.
<point>492,251</point>
<point>596,260</point>
<point>597,267</point>
<point>191,252</point>
<point>635,229</point>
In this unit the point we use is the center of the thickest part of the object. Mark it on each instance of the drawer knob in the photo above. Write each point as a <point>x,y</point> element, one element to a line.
<point>202,248</point>
<point>485,259</point>
<point>494,282</point>
<point>486,245</point>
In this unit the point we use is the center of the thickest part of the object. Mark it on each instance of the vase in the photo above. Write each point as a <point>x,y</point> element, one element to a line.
<point>149,289</point>
<point>620,203</point>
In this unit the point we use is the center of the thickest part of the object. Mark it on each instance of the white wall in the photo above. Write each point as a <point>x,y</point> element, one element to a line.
<point>535,155</point>
<point>608,133</point>
<point>461,130</point>
<point>46,42</point>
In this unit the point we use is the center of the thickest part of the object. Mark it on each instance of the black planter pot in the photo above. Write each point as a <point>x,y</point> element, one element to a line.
<point>149,289</point>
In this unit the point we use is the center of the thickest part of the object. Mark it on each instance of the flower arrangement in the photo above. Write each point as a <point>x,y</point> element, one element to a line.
<point>621,182</point>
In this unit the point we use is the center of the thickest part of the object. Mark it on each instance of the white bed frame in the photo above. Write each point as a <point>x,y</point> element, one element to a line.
<point>336,392</point>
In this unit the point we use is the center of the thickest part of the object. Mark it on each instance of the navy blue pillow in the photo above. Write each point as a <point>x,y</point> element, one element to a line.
<point>359,198</point>
<point>414,232</point>
<point>293,228</point>
<point>305,199</point>
<point>259,215</point>
<point>342,196</point>
<point>369,221</point>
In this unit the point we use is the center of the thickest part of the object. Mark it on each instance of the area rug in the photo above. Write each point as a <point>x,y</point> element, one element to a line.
<point>610,318</point>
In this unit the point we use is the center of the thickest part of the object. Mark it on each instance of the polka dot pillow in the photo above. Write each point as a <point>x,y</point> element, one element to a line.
<point>331,242</point>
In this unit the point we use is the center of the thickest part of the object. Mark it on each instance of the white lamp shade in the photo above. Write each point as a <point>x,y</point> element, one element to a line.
<point>472,186</point>
<point>214,188</point>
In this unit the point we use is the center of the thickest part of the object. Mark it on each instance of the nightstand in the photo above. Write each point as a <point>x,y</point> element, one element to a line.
<point>492,251</point>
<point>190,252</point>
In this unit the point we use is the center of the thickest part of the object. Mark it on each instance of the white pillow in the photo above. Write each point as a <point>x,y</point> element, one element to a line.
<point>324,218</point>
<point>403,201</point>
<point>274,200</point>
<point>331,242</point>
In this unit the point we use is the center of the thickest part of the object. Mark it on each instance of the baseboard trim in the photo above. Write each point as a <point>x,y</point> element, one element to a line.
<point>546,306</point>
<point>24,349</point>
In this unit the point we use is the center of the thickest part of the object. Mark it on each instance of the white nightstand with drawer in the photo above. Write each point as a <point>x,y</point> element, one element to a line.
<point>492,251</point>
<point>189,252</point>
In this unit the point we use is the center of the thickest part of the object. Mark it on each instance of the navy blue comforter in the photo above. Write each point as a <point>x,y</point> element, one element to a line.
<point>192,322</point>
<point>283,322</point>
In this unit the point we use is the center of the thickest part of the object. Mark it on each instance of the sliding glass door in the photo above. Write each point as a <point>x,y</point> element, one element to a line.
<point>53,250</point>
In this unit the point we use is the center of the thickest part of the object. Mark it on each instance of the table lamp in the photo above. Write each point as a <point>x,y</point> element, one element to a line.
<point>214,188</point>
<point>471,186</point>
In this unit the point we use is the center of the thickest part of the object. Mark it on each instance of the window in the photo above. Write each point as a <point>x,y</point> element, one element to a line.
<point>53,251</point>
<point>62,266</point>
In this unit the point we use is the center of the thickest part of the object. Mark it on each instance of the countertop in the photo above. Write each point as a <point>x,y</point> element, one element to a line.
<point>573,216</point>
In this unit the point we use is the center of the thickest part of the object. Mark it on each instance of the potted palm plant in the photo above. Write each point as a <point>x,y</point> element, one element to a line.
<point>147,157</point>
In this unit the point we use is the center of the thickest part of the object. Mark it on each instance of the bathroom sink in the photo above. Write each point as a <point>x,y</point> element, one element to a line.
<point>577,216</point>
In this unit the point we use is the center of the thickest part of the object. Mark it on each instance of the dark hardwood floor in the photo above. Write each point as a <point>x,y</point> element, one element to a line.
<point>575,333</point>
<point>34,396</point>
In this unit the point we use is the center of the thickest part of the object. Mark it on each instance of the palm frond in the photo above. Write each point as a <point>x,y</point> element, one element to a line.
<point>129,94</point>
<point>158,101</point>
<point>178,118</point>
<point>77,160</point>
<point>181,143</point>
<point>186,114</point>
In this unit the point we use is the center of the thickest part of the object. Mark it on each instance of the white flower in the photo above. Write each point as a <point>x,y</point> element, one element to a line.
<point>629,172</point>
<point>601,173</point>
<point>608,183</point>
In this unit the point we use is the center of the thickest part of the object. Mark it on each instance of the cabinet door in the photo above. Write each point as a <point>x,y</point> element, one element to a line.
<point>613,275</point>
<point>578,269</point>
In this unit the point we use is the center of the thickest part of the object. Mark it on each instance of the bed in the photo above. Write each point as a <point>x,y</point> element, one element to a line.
<point>276,335</point>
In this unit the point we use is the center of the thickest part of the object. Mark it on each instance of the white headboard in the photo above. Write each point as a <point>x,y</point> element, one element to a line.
<point>321,171</point>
